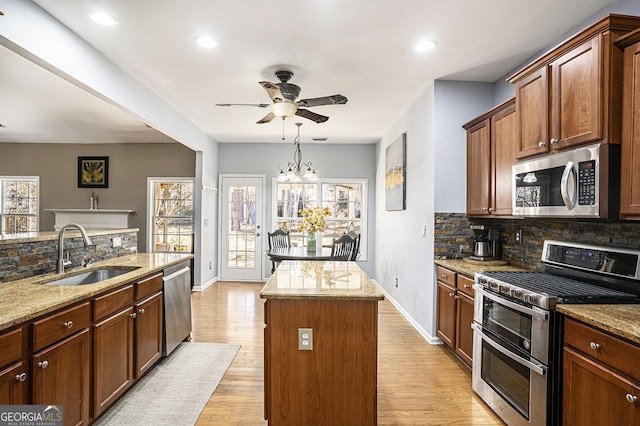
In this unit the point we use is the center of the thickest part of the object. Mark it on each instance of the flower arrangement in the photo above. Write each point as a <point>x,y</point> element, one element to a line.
<point>313,219</point>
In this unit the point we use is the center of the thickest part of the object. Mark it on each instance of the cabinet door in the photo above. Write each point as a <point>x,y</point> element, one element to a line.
<point>630,170</point>
<point>112,359</point>
<point>504,133</point>
<point>464,333</point>
<point>148,333</point>
<point>61,377</point>
<point>478,169</point>
<point>532,104</point>
<point>595,395</point>
<point>577,85</point>
<point>12,384</point>
<point>446,314</point>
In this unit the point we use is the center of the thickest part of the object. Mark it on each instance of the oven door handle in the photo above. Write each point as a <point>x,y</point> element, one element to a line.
<point>540,369</point>
<point>480,289</point>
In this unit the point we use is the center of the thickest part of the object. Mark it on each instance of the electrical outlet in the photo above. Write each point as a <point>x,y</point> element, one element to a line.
<point>116,242</point>
<point>209,265</point>
<point>518,235</point>
<point>396,283</point>
<point>305,339</point>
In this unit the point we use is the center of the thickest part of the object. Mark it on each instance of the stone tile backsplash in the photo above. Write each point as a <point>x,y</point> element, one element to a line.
<point>452,231</point>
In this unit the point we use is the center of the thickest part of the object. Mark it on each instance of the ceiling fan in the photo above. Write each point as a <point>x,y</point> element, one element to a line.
<point>284,95</point>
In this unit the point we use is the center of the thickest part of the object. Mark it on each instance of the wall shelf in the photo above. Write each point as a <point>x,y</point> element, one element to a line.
<point>92,218</point>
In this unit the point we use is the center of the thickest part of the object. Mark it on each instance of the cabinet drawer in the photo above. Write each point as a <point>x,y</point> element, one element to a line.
<point>10,347</point>
<point>465,285</point>
<point>446,276</point>
<point>148,286</point>
<point>112,302</point>
<point>60,325</point>
<point>604,347</point>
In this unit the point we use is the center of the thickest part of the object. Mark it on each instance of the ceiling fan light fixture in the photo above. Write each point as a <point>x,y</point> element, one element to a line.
<point>283,109</point>
<point>206,42</point>
<point>104,19</point>
<point>425,46</point>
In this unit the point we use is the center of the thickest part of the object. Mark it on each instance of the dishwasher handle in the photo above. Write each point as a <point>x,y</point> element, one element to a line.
<point>179,272</point>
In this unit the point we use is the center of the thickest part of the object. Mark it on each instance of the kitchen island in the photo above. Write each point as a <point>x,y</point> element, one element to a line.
<point>321,339</point>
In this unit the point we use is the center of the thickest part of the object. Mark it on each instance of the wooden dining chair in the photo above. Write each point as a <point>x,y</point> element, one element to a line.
<point>343,248</point>
<point>278,239</point>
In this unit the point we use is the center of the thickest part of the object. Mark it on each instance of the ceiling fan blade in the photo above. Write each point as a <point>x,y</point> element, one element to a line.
<point>326,100</point>
<point>311,115</point>
<point>267,118</point>
<point>273,90</point>
<point>256,105</point>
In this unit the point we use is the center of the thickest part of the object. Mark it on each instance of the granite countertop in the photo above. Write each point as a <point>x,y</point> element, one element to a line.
<point>468,269</point>
<point>619,320</point>
<point>320,280</point>
<point>27,237</point>
<point>29,298</point>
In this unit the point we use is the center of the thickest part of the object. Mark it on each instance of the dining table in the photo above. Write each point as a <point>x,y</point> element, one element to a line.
<point>277,255</point>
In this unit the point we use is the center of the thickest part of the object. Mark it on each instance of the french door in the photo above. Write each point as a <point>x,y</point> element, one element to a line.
<point>242,252</point>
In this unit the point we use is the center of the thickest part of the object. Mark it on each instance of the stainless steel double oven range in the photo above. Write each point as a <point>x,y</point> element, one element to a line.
<point>517,350</point>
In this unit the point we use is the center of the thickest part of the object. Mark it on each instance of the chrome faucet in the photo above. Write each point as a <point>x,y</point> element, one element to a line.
<point>87,242</point>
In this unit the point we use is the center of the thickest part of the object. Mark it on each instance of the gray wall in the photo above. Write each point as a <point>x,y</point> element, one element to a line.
<point>355,161</point>
<point>129,167</point>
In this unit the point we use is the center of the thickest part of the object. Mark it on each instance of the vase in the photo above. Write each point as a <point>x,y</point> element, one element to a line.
<point>311,241</point>
<point>318,242</point>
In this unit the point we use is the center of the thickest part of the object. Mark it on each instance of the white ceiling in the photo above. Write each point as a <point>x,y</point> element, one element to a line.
<point>362,49</point>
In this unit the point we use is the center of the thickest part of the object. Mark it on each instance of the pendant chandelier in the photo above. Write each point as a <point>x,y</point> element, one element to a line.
<point>298,171</point>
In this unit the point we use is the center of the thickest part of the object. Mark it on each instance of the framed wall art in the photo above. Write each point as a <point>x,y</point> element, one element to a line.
<point>395,187</point>
<point>93,172</point>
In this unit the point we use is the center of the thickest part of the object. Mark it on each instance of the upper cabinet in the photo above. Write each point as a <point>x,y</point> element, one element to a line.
<point>572,95</point>
<point>490,155</point>
<point>630,163</point>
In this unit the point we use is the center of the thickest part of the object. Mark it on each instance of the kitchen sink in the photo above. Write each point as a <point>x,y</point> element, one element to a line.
<point>90,277</point>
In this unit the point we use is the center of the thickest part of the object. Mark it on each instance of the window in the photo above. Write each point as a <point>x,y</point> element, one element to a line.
<point>344,198</point>
<point>172,215</point>
<point>19,204</point>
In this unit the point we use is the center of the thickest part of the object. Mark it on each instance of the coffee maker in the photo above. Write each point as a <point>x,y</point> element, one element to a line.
<point>485,242</point>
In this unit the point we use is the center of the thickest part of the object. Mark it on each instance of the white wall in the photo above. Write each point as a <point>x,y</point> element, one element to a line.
<point>334,161</point>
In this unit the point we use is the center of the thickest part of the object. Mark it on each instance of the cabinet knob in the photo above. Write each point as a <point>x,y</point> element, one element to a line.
<point>68,324</point>
<point>444,275</point>
<point>553,141</point>
<point>467,286</point>
<point>490,209</point>
<point>632,399</point>
<point>133,315</point>
<point>456,297</point>
<point>484,209</point>
<point>43,364</point>
<point>141,311</point>
<point>21,377</point>
<point>595,346</point>
<point>541,144</point>
<point>451,295</point>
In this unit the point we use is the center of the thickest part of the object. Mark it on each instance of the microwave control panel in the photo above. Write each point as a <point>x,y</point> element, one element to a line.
<point>587,183</point>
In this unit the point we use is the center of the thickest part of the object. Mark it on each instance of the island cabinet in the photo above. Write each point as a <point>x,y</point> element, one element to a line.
<point>321,338</point>
<point>61,362</point>
<point>630,167</point>
<point>491,143</point>
<point>601,377</point>
<point>14,370</point>
<point>572,94</point>
<point>454,312</point>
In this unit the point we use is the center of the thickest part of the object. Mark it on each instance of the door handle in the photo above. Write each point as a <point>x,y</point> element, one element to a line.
<point>569,201</point>
<point>257,234</point>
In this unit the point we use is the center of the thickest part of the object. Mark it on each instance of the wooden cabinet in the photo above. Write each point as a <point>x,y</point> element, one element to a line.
<point>630,167</point>
<point>491,144</point>
<point>13,369</point>
<point>61,377</point>
<point>454,312</point>
<point>572,95</point>
<point>335,382</point>
<point>601,378</point>
<point>148,333</point>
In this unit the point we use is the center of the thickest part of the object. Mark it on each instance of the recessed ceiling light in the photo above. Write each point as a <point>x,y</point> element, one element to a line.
<point>102,18</point>
<point>425,46</point>
<point>206,42</point>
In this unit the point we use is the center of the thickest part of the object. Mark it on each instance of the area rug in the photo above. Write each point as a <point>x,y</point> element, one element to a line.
<point>176,390</point>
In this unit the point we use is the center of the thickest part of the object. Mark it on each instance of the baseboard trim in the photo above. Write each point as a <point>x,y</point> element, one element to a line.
<point>432,340</point>
<point>205,285</point>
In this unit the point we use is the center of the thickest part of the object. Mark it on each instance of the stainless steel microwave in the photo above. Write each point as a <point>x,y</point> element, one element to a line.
<point>583,182</point>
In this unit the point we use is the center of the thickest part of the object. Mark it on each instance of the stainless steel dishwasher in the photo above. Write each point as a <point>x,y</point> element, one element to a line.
<point>177,306</point>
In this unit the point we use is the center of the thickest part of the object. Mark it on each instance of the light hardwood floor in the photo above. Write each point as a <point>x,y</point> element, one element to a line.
<point>418,383</point>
